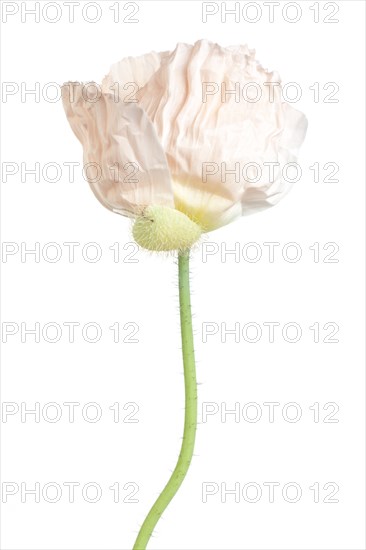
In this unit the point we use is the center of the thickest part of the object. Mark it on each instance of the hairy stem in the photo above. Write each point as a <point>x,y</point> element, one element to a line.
<point>190,418</point>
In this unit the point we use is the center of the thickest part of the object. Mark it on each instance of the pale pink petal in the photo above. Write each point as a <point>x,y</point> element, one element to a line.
<point>224,130</point>
<point>128,168</point>
<point>130,74</point>
<point>295,128</point>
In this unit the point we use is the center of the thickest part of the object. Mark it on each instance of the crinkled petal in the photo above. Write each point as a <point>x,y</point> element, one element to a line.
<point>123,160</point>
<point>240,122</point>
<point>130,74</point>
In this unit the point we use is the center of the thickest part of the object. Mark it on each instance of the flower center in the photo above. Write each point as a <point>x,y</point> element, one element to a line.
<point>162,228</point>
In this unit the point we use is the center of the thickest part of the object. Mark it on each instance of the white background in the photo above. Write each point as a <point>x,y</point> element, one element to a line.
<point>149,372</point>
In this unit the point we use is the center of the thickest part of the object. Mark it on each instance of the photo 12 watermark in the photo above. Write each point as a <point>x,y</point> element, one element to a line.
<point>270,12</point>
<point>70,332</point>
<point>271,492</point>
<point>69,412</point>
<point>70,12</point>
<point>70,492</point>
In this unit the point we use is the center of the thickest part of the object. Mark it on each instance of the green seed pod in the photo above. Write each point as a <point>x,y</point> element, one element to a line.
<point>162,228</point>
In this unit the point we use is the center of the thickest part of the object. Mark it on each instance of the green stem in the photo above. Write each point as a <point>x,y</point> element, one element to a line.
<point>190,418</point>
